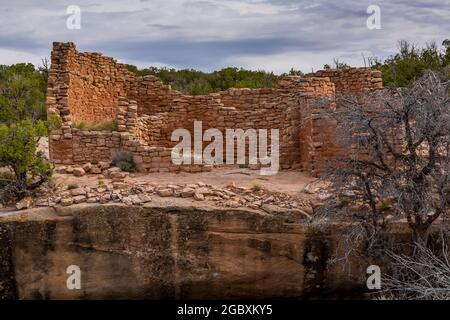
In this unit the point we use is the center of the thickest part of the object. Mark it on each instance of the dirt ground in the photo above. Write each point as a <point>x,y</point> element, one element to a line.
<point>289,182</point>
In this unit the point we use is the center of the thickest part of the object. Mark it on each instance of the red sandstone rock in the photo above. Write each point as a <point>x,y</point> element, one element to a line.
<point>199,196</point>
<point>66,201</point>
<point>78,172</point>
<point>25,203</point>
<point>78,192</point>
<point>87,167</point>
<point>165,192</point>
<point>187,192</point>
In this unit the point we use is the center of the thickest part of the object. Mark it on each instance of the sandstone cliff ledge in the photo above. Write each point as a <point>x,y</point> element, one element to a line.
<point>169,252</point>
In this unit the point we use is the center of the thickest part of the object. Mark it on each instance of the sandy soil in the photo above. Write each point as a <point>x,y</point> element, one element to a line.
<point>290,182</point>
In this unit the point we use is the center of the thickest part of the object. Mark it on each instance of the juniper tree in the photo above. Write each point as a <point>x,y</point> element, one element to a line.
<point>396,163</point>
<point>27,168</point>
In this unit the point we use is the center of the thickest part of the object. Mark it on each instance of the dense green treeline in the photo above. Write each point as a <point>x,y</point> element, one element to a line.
<point>22,93</point>
<point>410,62</point>
<point>195,82</point>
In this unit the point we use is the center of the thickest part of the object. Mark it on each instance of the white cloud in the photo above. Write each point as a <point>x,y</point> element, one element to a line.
<point>259,34</point>
<point>304,61</point>
<point>12,56</point>
<point>145,64</point>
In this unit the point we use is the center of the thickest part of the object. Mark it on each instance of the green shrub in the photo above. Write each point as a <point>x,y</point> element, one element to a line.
<point>7,175</point>
<point>18,144</point>
<point>80,125</point>
<point>72,186</point>
<point>53,122</point>
<point>94,162</point>
<point>256,187</point>
<point>126,166</point>
<point>384,205</point>
<point>6,178</point>
<point>344,200</point>
<point>124,161</point>
<point>105,126</point>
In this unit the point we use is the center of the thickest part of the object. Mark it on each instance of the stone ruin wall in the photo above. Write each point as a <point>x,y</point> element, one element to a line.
<point>91,88</point>
<point>321,139</point>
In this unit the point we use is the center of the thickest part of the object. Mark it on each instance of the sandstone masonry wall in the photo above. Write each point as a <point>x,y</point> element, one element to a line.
<point>90,88</point>
<point>349,82</point>
<point>352,80</point>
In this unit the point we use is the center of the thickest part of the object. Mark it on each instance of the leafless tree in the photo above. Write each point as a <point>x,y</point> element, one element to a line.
<point>395,163</point>
<point>423,276</point>
<point>45,68</point>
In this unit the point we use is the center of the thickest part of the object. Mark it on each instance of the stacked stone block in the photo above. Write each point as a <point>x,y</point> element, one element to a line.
<point>90,88</point>
<point>352,80</point>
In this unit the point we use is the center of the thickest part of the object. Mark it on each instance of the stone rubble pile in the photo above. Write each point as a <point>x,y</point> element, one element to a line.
<point>79,171</point>
<point>118,190</point>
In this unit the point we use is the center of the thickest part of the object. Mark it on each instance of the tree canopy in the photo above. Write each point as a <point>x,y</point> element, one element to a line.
<point>410,63</point>
<point>18,144</point>
<point>194,82</point>
<point>22,93</point>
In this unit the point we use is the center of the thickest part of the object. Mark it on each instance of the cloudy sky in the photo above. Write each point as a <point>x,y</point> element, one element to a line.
<point>273,35</point>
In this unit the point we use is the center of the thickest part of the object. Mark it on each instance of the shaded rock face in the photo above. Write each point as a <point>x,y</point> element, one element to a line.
<point>168,253</point>
<point>8,285</point>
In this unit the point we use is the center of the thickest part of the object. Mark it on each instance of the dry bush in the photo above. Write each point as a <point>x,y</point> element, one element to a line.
<point>395,165</point>
<point>424,275</point>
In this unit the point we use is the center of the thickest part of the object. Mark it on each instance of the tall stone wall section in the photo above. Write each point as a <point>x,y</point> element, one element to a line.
<point>96,83</point>
<point>90,88</point>
<point>350,83</point>
<point>351,80</point>
<point>271,108</point>
<point>84,88</point>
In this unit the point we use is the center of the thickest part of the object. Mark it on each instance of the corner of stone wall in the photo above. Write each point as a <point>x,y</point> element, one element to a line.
<point>322,144</point>
<point>310,96</point>
<point>68,145</point>
<point>352,80</point>
<point>127,115</point>
<point>60,140</point>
